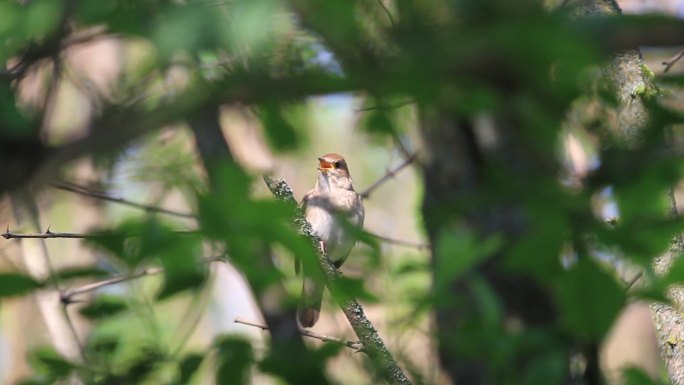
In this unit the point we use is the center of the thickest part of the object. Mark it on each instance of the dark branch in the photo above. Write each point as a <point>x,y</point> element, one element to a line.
<point>85,191</point>
<point>47,234</point>
<point>390,174</point>
<point>670,62</point>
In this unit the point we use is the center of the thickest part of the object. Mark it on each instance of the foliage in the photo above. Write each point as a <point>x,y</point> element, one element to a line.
<point>510,64</point>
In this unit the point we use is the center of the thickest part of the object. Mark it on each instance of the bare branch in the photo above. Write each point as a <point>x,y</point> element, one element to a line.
<point>390,174</point>
<point>400,242</point>
<point>356,345</point>
<point>670,62</point>
<point>389,15</point>
<point>49,234</point>
<point>634,280</point>
<point>67,296</point>
<point>364,329</point>
<point>85,191</point>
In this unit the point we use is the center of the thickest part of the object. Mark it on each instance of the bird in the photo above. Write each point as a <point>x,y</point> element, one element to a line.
<point>327,207</point>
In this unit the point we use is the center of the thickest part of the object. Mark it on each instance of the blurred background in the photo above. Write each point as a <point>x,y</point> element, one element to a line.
<point>163,170</point>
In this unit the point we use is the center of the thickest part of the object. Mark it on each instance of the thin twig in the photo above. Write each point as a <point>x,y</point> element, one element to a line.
<point>81,190</point>
<point>356,345</point>
<point>400,242</point>
<point>634,280</point>
<point>67,296</point>
<point>64,318</point>
<point>670,62</point>
<point>390,174</point>
<point>49,234</point>
<point>389,15</point>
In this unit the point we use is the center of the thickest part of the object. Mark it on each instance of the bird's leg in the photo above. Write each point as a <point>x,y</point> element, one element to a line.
<point>322,246</point>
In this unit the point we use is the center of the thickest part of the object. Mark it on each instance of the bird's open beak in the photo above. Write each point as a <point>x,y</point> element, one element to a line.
<point>324,165</point>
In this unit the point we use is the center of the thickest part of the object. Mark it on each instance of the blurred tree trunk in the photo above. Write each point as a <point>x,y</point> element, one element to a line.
<point>455,168</point>
<point>626,72</point>
<point>456,161</point>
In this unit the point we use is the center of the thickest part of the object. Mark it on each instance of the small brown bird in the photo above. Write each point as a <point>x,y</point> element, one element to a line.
<point>327,207</point>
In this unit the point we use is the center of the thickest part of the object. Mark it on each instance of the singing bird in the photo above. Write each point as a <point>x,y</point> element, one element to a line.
<point>330,204</point>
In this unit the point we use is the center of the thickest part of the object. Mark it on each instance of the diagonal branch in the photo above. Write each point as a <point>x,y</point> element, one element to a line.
<point>672,61</point>
<point>390,174</point>
<point>364,329</point>
<point>85,191</point>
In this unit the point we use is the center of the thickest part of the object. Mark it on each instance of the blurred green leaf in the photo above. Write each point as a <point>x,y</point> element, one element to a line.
<point>235,360</point>
<point>49,361</point>
<point>460,252</point>
<point>378,123</point>
<point>280,132</point>
<point>104,306</point>
<point>182,268</point>
<point>13,284</point>
<point>346,287</point>
<point>589,298</point>
<point>80,272</point>
<point>635,376</point>
<point>189,366</point>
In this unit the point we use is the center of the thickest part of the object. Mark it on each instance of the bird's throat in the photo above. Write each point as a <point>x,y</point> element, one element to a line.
<point>324,182</point>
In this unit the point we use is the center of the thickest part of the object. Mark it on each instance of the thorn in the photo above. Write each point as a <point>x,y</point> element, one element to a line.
<point>7,234</point>
<point>48,230</point>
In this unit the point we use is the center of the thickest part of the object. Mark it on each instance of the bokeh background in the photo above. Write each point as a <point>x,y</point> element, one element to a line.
<point>162,169</point>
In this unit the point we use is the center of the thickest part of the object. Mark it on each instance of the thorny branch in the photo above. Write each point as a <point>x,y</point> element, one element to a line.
<point>356,345</point>
<point>49,234</point>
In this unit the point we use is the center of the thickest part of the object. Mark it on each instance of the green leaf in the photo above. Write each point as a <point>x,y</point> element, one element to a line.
<point>459,252</point>
<point>51,362</point>
<point>182,268</point>
<point>235,359</point>
<point>135,241</point>
<point>280,132</point>
<point>589,298</point>
<point>189,366</point>
<point>378,123</point>
<point>635,376</point>
<point>346,287</point>
<point>104,306</point>
<point>13,284</point>
<point>80,272</point>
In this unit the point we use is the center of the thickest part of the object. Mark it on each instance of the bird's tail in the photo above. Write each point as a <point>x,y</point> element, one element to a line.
<point>310,304</point>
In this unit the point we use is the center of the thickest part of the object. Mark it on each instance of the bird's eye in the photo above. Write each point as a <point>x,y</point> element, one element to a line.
<point>337,164</point>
